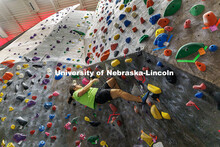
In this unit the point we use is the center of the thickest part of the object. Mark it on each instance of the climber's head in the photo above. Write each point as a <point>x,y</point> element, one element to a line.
<point>74,87</point>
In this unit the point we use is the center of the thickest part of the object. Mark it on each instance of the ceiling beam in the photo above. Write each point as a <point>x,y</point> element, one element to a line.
<point>81,4</point>
<point>54,6</point>
<point>11,15</point>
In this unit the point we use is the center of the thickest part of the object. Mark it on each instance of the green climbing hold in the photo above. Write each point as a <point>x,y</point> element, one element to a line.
<point>144,37</point>
<point>126,1</point>
<point>80,33</point>
<point>74,120</point>
<point>150,10</point>
<point>197,10</point>
<point>145,1</point>
<point>189,49</point>
<point>173,7</point>
<point>93,139</point>
<point>90,34</point>
<point>75,76</point>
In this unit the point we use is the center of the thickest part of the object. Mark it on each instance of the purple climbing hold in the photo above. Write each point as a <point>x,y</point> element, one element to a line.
<point>35,58</point>
<point>48,56</point>
<point>59,64</point>
<point>19,137</point>
<point>31,103</point>
<point>45,81</point>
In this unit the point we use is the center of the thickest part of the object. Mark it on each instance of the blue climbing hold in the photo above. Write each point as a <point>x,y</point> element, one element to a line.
<point>41,128</point>
<point>64,66</point>
<point>29,93</point>
<point>108,17</point>
<point>159,64</point>
<point>199,95</point>
<point>117,1</point>
<point>127,23</point>
<point>68,59</point>
<point>128,40</point>
<point>122,16</point>
<point>160,39</point>
<point>47,105</point>
<point>51,116</point>
<point>213,48</point>
<point>58,77</point>
<point>41,143</point>
<point>20,56</point>
<point>153,19</point>
<point>68,116</point>
<point>109,22</point>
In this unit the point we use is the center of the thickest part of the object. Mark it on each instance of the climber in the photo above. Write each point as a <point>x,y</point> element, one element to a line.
<point>90,96</point>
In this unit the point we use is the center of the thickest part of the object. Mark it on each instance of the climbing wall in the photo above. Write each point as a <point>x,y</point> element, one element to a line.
<point>33,104</point>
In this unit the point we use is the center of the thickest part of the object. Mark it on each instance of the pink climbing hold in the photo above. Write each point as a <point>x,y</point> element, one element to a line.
<point>47,133</point>
<point>168,28</point>
<point>200,87</point>
<point>187,24</point>
<point>55,93</point>
<point>82,137</point>
<point>85,81</point>
<point>67,126</point>
<point>191,103</point>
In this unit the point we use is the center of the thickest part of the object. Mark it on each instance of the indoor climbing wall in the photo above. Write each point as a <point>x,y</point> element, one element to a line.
<point>143,35</point>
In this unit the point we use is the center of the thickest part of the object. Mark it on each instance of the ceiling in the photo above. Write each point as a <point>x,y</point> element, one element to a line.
<point>17,16</point>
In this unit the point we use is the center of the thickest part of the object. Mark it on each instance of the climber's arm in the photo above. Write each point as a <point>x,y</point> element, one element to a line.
<point>86,88</point>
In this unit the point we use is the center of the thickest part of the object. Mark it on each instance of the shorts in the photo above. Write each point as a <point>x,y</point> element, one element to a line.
<point>103,94</point>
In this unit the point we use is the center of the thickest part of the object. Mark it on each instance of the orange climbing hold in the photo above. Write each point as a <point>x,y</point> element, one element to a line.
<point>167,52</point>
<point>68,69</point>
<point>209,19</point>
<point>163,22</point>
<point>150,3</point>
<point>134,8</point>
<point>7,76</point>
<point>200,66</point>
<point>105,55</point>
<point>8,63</point>
<point>134,29</point>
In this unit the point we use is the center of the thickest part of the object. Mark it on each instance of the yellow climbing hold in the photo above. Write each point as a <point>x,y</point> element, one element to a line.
<point>0,99</point>
<point>3,118</point>
<point>116,37</point>
<point>165,115</point>
<point>11,109</point>
<point>86,119</point>
<point>5,81</point>
<point>86,16</point>
<point>90,45</point>
<point>17,73</point>
<point>98,76</point>
<point>78,25</point>
<point>121,7</point>
<point>115,62</point>
<point>154,89</point>
<point>78,66</point>
<point>129,60</point>
<point>26,100</point>
<point>146,138</point>
<point>3,87</point>
<point>103,143</point>
<point>159,31</point>
<point>1,94</point>
<point>3,143</point>
<point>10,145</point>
<point>128,9</point>
<point>25,66</point>
<point>13,127</point>
<point>155,112</point>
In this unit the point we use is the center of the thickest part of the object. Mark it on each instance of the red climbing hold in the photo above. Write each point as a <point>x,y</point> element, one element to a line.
<point>200,66</point>
<point>34,97</point>
<point>50,96</point>
<point>200,87</point>
<point>119,123</point>
<point>32,132</point>
<point>105,55</point>
<point>110,13</point>
<point>114,46</point>
<point>142,20</point>
<point>74,128</point>
<point>102,28</point>
<point>102,48</point>
<point>95,30</point>
<point>68,69</point>
<point>54,108</point>
<point>150,3</point>
<point>145,68</point>
<point>113,108</point>
<point>49,124</point>
<point>98,55</point>
<point>123,77</point>
<point>125,51</point>
<point>105,30</point>
<point>168,28</point>
<point>77,142</point>
<point>89,54</point>
<point>45,87</point>
<point>134,29</point>
<point>187,24</point>
<point>167,52</point>
<point>121,30</point>
<point>53,137</point>
<point>191,103</point>
<point>163,22</point>
<point>58,68</point>
<point>134,8</point>
<point>93,49</point>
<point>47,76</point>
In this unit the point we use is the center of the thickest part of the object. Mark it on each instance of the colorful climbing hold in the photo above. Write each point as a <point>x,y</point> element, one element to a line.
<point>167,52</point>
<point>115,63</point>
<point>200,66</point>
<point>173,7</point>
<point>187,24</point>
<point>162,22</point>
<point>116,37</point>
<point>197,10</point>
<point>153,19</point>
<point>165,115</point>
<point>154,89</point>
<point>213,48</point>
<point>200,87</point>
<point>143,38</point>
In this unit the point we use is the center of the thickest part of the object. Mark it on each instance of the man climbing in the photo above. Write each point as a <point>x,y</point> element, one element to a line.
<point>90,96</point>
